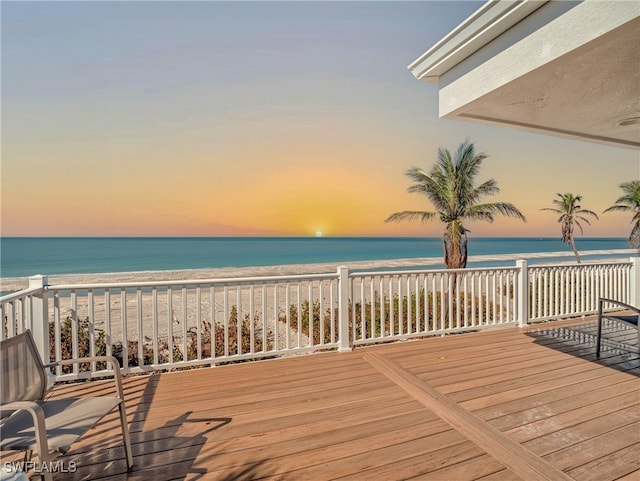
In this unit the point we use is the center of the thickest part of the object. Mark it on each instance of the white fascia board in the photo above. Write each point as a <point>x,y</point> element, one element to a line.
<point>551,32</point>
<point>484,25</point>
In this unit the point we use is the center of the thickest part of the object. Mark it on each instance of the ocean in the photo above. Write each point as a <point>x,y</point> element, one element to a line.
<point>26,256</point>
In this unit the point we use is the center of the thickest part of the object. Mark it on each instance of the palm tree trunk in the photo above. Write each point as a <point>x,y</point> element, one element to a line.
<point>575,251</point>
<point>455,251</point>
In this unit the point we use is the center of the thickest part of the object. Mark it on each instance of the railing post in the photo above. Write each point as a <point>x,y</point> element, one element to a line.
<point>634,282</point>
<point>522,294</point>
<point>344,336</point>
<point>40,315</point>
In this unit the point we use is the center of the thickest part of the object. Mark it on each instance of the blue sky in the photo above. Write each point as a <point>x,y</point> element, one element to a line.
<point>252,118</point>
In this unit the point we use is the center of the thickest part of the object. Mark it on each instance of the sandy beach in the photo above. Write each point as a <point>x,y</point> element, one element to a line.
<point>8,284</point>
<point>178,314</point>
<point>18,283</point>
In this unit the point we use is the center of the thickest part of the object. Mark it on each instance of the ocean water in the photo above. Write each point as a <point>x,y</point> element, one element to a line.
<point>26,256</point>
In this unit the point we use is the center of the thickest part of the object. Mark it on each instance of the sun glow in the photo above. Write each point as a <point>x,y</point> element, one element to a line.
<point>319,233</point>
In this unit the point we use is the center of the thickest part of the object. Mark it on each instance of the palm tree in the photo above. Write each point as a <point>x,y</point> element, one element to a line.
<point>630,202</point>
<point>571,214</point>
<point>450,186</point>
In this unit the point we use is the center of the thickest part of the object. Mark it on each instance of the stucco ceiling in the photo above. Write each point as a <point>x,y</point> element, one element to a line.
<point>594,89</point>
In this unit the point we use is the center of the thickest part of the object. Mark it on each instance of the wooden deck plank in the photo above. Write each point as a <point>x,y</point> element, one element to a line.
<point>533,386</point>
<point>435,452</point>
<point>471,469</point>
<point>606,444</point>
<point>554,407</point>
<point>332,415</point>
<point>632,476</point>
<point>591,428</point>
<point>526,432</point>
<point>617,464</point>
<point>515,408</point>
<point>512,455</point>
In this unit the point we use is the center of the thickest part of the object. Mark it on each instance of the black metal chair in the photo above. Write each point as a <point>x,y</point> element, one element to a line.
<point>621,317</point>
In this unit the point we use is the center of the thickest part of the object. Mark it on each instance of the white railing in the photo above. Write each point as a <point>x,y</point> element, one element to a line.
<point>399,305</point>
<point>558,292</point>
<point>27,309</point>
<point>177,324</point>
<point>166,325</point>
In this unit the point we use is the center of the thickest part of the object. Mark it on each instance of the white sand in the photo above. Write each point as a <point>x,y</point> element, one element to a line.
<point>18,283</point>
<point>179,315</point>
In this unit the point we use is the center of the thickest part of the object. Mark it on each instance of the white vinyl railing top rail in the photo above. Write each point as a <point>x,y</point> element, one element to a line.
<point>177,324</point>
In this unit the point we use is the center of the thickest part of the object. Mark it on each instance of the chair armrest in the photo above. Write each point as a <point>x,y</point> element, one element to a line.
<point>31,406</point>
<point>37,414</point>
<point>620,304</point>
<point>109,359</point>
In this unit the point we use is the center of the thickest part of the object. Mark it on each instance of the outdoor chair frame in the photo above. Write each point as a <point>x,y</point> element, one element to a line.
<point>30,422</point>
<point>624,318</point>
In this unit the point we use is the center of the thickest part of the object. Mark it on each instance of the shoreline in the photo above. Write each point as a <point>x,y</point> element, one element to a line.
<point>18,283</point>
<point>10,284</point>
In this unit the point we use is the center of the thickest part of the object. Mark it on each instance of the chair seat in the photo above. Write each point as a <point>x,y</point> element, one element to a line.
<point>633,319</point>
<point>66,420</point>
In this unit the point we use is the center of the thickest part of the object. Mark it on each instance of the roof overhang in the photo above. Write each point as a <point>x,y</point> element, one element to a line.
<point>564,68</point>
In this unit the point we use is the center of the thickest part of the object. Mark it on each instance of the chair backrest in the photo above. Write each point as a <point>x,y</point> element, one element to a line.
<point>22,374</point>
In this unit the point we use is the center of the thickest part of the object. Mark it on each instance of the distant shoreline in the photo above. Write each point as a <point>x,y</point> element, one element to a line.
<point>10,284</point>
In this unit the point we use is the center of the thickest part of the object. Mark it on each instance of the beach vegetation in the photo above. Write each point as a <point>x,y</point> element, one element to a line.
<point>89,342</point>
<point>419,313</point>
<point>630,202</point>
<point>316,325</point>
<point>225,338</point>
<point>450,186</point>
<point>572,215</point>
<point>85,339</point>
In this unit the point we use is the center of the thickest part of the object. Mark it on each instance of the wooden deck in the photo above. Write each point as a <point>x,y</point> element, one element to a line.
<point>509,404</point>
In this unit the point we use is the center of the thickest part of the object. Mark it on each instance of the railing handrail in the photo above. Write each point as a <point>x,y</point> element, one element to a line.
<point>431,271</point>
<point>582,264</point>
<point>227,281</point>
<point>28,291</point>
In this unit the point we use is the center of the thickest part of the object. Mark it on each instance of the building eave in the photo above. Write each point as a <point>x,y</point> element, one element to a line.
<point>484,25</point>
<point>562,68</point>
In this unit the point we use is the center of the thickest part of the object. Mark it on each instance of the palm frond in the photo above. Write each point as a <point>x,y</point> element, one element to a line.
<point>503,208</point>
<point>557,211</point>
<point>630,201</point>
<point>584,212</point>
<point>619,208</point>
<point>410,215</point>
<point>428,186</point>
<point>490,187</point>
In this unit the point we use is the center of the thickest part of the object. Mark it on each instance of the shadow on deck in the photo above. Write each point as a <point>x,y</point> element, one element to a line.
<point>619,343</point>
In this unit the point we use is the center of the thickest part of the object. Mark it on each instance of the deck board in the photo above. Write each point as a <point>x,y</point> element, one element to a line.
<point>334,416</point>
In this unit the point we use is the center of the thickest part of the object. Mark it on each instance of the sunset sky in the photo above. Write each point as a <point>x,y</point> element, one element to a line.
<point>254,119</point>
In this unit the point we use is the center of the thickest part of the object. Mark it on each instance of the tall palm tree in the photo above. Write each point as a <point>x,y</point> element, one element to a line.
<point>450,186</point>
<point>630,202</point>
<point>571,215</point>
